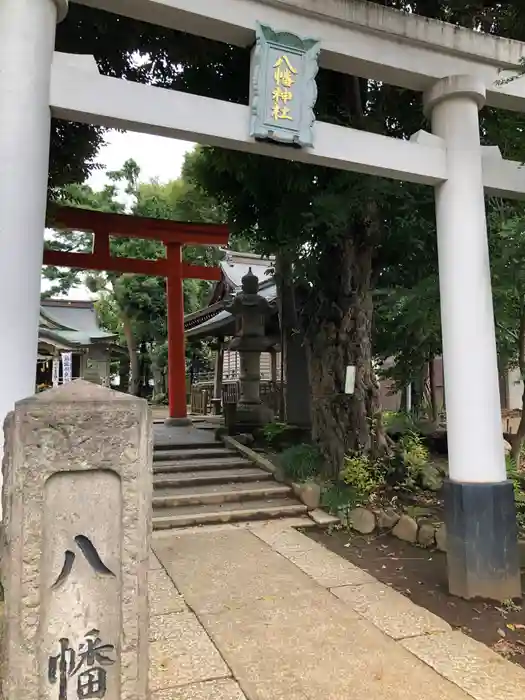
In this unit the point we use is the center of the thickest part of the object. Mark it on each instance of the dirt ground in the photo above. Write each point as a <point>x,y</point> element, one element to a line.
<point>420,574</point>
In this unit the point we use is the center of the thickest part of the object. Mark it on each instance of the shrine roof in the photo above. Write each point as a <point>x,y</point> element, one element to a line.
<point>214,320</point>
<point>71,323</point>
<point>235,265</point>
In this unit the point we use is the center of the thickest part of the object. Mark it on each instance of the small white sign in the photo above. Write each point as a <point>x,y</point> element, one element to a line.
<point>350,379</point>
<point>67,367</point>
<point>55,377</point>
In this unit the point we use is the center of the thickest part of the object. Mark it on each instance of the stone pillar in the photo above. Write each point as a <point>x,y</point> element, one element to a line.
<point>77,517</point>
<point>273,366</point>
<point>250,378</point>
<point>27,38</point>
<point>251,308</point>
<point>479,501</point>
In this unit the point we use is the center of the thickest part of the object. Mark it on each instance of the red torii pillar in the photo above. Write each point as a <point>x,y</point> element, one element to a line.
<point>173,235</point>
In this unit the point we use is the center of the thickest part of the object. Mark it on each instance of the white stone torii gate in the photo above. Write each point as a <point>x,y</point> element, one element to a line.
<point>457,71</point>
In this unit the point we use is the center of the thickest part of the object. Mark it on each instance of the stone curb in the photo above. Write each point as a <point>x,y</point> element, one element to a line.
<point>422,531</point>
<point>401,526</point>
<point>309,493</point>
<point>253,456</point>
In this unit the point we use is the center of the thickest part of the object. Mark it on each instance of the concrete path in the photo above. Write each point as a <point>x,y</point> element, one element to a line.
<point>168,436</point>
<point>264,613</point>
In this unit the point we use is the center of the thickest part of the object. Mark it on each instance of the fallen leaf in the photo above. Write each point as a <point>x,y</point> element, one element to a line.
<point>501,632</point>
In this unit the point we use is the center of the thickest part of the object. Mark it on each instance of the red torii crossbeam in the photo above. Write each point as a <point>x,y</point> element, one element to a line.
<point>173,235</point>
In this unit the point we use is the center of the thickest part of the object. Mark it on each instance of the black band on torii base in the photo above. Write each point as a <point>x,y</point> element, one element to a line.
<point>482,540</point>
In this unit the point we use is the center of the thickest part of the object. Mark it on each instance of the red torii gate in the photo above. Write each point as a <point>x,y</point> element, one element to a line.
<point>174,235</point>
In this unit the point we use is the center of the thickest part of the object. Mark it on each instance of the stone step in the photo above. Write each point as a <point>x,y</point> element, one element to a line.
<point>195,453</point>
<point>162,452</point>
<point>211,476</point>
<point>195,465</point>
<point>265,509</point>
<point>217,494</point>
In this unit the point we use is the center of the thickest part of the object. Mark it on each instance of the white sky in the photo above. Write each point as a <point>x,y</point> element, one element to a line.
<point>157,157</point>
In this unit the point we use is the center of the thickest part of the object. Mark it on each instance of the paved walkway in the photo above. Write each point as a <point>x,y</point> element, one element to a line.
<point>168,436</point>
<point>264,613</point>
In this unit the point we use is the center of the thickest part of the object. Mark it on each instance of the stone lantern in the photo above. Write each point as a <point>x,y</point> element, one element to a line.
<point>251,311</point>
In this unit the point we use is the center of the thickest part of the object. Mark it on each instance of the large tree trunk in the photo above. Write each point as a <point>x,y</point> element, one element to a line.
<point>338,332</point>
<point>433,397</point>
<point>338,324</point>
<point>123,373</point>
<point>134,384</point>
<point>297,391</point>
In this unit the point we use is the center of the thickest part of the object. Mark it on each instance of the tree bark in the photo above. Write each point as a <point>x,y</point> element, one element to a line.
<point>297,392</point>
<point>517,440</point>
<point>123,373</point>
<point>433,398</point>
<point>134,383</point>
<point>338,334</point>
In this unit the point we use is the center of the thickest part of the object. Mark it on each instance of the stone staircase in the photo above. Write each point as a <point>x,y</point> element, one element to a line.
<point>206,483</point>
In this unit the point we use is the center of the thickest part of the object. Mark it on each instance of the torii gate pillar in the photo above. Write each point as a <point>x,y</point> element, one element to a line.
<point>27,38</point>
<point>176,354</point>
<point>480,513</point>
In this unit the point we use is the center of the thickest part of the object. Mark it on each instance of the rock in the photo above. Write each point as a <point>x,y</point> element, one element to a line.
<point>406,529</point>
<point>220,432</point>
<point>386,519</point>
<point>362,520</point>
<point>426,535</point>
<point>431,478</point>
<point>507,447</point>
<point>309,493</point>
<point>245,439</point>
<point>323,519</point>
<point>437,441</point>
<point>441,538</point>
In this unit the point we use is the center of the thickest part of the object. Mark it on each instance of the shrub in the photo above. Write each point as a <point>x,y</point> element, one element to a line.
<point>413,451</point>
<point>362,476</point>
<point>273,431</point>
<point>519,492</point>
<point>396,422</point>
<point>301,462</point>
<point>412,454</point>
<point>337,498</point>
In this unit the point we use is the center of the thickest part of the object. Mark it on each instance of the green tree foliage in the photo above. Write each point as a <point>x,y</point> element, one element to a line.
<point>507,243</point>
